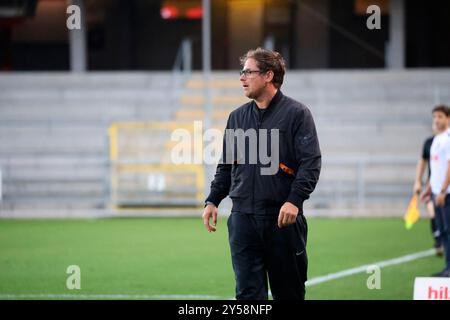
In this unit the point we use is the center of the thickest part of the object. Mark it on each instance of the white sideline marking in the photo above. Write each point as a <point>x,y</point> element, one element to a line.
<point>312,282</point>
<point>363,268</point>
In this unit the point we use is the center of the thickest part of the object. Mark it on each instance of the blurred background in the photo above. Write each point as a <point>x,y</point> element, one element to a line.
<point>86,115</point>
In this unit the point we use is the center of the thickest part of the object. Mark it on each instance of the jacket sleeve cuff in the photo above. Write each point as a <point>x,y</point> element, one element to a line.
<point>296,200</point>
<point>213,198</point>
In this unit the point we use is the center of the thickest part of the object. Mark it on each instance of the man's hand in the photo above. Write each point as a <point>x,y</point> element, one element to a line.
<point>288,215</point>
<point>417,187</point>
<point>210,211</point>
<point>425,195</point>
<point>440,199</point>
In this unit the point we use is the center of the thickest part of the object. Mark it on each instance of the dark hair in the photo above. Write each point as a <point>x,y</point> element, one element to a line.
<point>268,60</point>
<point>442,108</point>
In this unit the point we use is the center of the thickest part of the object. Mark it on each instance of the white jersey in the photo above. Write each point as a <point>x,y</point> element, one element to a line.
<point>439,158</point>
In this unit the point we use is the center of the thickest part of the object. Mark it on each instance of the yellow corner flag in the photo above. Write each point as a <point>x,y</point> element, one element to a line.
<point>412,214</point>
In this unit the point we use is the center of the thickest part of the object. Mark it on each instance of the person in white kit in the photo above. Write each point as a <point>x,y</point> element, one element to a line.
<point>439,186</point>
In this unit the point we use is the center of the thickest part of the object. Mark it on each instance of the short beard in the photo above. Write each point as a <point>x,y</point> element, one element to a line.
<point>256,94</point>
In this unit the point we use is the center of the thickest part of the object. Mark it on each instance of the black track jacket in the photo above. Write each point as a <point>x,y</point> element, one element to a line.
<point>299,160</point>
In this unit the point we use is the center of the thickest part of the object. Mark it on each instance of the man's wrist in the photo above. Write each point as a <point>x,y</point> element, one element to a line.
<point>443,191</point>
<point>296,201</point>
<point>208,203</point>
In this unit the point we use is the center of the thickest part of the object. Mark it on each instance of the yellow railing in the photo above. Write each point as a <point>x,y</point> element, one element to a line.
<point>140,153</point>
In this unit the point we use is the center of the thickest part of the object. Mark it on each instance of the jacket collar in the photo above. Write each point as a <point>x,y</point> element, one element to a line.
<point>273,103</point>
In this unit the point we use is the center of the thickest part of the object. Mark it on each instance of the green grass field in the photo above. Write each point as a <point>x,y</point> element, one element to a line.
<point>176,257</point>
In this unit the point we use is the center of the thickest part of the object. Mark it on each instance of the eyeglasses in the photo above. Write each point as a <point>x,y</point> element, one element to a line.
<point>248,72</point>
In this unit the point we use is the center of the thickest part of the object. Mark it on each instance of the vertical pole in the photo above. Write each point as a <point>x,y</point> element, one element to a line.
<point>360,184</point>
<point>206,66</point>
<point>206,37</point>
<point>1,182</point>
<point>186,50</point>
<point>77,41</point>
<point>206,63</point>
<point>396,48</point>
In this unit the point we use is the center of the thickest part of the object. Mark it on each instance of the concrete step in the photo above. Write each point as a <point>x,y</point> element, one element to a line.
<point>53,161</point>
<point>50,173</point>
<point>53,188</point>
<point>63,146</point>
<point>127,95</point>
<point>91,112</point>
<point>105,80</point>
<point>49,123</point>
<point>45,203</point>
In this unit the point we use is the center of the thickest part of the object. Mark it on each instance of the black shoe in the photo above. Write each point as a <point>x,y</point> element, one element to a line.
<point>443,274</point>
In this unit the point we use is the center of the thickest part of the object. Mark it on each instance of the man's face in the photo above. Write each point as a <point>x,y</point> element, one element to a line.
<point>254,83</point>
<point>440,121</point>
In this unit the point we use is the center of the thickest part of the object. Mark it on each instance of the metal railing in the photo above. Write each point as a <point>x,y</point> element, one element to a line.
<point>141,171</point>
<point>358,187</point>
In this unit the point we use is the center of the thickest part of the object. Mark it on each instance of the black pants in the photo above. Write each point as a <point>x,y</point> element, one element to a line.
<point>435,232</point>
<point>443,223</point>
<point>261,250</point>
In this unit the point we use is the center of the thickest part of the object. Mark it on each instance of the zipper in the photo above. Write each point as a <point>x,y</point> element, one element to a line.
<point>258,126</point>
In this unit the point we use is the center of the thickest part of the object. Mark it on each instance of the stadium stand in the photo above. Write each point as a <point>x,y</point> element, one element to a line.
<point>54,146</point>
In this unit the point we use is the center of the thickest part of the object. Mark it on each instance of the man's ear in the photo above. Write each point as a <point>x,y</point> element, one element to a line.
<point>269,75</point>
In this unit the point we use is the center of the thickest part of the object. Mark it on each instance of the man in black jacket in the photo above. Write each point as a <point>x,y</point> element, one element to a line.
<point>267,228</point>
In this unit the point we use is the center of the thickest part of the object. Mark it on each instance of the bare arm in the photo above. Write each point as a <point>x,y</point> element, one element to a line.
<point>440,198</point>
<point>420,169</point>
<point>447,179</point>
<point>426,193</point>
